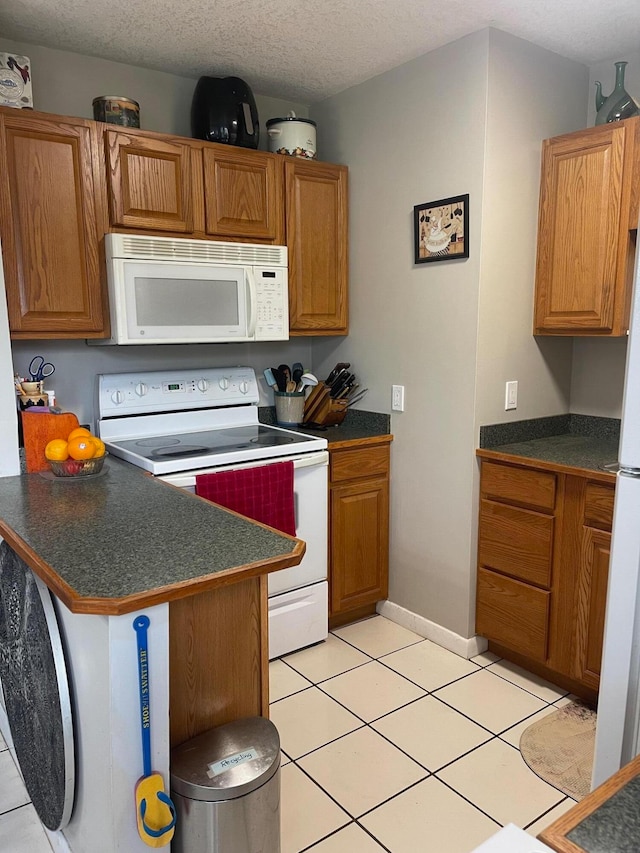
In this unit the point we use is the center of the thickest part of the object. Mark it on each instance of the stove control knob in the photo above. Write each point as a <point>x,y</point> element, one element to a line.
<point>202,385</point>
<point>243,387</point>
<point>117,397</point>
<point>141,389</point>
<point>224,383</point>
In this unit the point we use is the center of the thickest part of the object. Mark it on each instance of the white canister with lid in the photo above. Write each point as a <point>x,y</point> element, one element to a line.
<point>293,136</point>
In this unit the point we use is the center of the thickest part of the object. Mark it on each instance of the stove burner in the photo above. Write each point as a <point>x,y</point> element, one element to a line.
<point>157,441</point>
<point>268,441</point>
<point>174,452</point>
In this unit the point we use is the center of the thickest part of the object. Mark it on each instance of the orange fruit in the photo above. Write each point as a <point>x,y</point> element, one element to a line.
<point>100,448</point>
<point>57,450</point>
<point>78,431</point>
<point>81,447</point>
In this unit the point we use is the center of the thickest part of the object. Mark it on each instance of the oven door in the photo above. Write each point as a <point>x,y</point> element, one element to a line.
<point>299,596</point>
<point>310,486</point>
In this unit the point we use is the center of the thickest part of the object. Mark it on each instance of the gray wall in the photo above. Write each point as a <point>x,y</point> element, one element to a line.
<point>66,83</point>
<point>469,117</point>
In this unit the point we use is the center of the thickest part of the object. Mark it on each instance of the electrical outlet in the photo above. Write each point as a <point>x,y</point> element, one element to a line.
<point>511,395</point>
<point>397,398</point>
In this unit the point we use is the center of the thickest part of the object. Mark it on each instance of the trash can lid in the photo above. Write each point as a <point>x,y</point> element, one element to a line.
<point>226,762</point>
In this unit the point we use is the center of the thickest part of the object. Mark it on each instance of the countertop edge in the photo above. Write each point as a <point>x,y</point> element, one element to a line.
<point>555,467</point>
<point>91,605</point>
<point>343,444</point>
<point>555,834</point>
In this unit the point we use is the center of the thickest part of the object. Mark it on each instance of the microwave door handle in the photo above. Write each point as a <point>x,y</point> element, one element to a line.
<point>253,313</point>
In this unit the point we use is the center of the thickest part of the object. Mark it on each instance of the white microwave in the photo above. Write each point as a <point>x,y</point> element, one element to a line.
<point>179,291</point>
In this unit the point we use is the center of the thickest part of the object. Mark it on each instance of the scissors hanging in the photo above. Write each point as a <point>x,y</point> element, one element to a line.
<point>39,369</point>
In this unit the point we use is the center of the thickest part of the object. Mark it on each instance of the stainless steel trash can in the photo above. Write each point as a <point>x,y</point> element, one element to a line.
<point>225,784</point>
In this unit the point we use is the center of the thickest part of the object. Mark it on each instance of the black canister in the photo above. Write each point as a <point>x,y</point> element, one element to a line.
<point>224,110</point>
<point>113,109</point>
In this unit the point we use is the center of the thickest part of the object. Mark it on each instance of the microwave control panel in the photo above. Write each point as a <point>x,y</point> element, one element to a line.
<point>272,322</point>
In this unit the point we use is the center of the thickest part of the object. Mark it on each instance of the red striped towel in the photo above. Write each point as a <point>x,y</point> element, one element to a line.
<point>264,493</point>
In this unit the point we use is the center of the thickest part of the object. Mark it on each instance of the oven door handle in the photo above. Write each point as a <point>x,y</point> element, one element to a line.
<point>252,312</point>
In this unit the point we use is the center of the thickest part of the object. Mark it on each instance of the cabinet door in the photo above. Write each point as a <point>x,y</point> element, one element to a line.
<point>359,544</point>
<point>150,182</point>
<point>243,194</point>
<point>316,215</point>
<point>583,234</point>
<point>48,227</point>
<point>513,613</point>
<point>592,596</point>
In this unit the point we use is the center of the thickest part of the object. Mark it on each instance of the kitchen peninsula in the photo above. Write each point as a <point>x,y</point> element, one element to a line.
<point>112,546</point>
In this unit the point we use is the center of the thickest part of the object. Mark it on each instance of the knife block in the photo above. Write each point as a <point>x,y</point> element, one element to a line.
<point>320,408</point>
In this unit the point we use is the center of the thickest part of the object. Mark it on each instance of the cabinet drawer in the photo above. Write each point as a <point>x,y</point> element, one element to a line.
<point>513,614</point>
<point>516,541</point>
<point>598,506</point>
<point>519,485</point>
<point>359,462</point>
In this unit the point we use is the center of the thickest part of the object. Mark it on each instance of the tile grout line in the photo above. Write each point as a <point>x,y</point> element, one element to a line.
<point>429,773</point>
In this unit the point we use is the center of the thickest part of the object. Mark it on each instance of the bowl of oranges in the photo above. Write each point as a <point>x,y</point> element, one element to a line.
<point>79,455</point>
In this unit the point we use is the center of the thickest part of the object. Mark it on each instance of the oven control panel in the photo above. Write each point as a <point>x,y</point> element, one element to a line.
<point>175,390</point>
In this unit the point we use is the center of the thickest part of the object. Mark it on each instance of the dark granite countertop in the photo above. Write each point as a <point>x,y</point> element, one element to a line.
<point>614,827</point>
<point>357,426</point>
<point>567,441</point>
<point>122,539</point>
<point>605,821</point>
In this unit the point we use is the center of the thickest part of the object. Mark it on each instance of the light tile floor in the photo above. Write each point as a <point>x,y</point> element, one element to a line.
<point>389,743</point>
<point>392,743</point>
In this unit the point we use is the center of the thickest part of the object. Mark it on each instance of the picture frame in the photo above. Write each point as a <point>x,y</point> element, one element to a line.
<point>441,230</point>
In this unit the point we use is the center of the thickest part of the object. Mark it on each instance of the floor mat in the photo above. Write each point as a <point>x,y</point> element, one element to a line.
<point>559,748</point>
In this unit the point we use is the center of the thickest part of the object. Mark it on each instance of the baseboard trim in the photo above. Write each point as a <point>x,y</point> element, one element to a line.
<point>463,646</point>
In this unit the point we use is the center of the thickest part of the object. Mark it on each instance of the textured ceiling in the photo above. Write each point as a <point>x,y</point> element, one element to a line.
<point>306,50</point>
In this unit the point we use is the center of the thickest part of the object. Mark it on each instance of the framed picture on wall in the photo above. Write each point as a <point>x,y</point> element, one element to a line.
<point>441,229</point>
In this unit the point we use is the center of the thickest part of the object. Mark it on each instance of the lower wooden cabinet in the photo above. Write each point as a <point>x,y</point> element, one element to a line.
<point>543,561</point>
<point>358,528</point>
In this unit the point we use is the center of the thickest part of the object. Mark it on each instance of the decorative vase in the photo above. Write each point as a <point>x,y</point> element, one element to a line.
<point>619,104</point>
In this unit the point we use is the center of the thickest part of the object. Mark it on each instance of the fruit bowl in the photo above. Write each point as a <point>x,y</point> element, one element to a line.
<point>77,467</point>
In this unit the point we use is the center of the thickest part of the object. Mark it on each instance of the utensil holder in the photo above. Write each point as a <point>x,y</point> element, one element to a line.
<point>289,407</point>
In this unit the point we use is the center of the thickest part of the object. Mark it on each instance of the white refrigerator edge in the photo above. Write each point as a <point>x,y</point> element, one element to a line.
<point>618,721</point>
<point>9,457</point>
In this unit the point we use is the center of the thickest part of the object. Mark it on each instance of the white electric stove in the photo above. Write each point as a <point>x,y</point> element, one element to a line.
<point>177,424</point>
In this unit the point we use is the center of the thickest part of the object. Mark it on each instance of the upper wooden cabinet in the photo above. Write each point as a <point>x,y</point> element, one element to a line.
<point>243,193</point>
<point>316,217</point>
<point>49,226</point>
<point>150,182</point>
<point>65,182</point>
<point>586,231</point>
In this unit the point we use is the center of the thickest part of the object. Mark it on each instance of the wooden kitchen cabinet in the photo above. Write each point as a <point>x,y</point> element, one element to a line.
<point>66,182</point>
<point>316,225</point>
<point>358,528</point>
<point>543,558</point>
<point>587,224</point>
<point>151,181</point>
<point>243,193</point>
<point>190,187</point>
<point>49,225</point>
<point>597,520</point>
<point>515,556</point>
